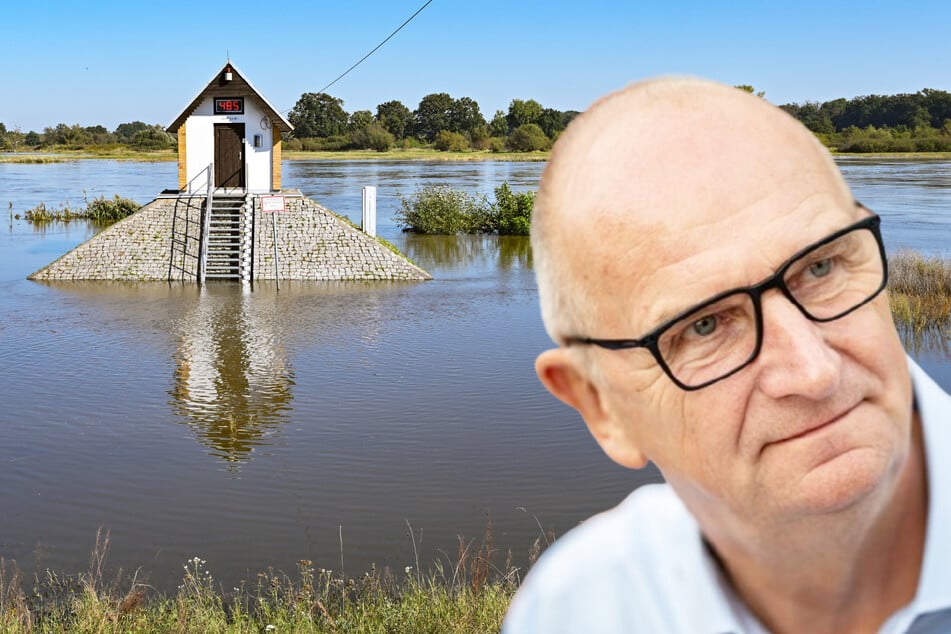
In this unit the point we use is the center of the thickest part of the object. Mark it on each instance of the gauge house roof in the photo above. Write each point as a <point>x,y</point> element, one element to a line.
<point>231,134</point>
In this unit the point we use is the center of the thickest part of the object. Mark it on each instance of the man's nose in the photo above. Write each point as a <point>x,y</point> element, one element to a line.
<point>795,358</point>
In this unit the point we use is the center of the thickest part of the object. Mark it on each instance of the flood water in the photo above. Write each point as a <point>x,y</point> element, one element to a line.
<point>257,428</point>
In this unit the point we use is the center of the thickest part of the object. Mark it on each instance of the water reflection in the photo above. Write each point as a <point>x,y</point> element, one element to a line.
<point>468,252</point>
<point>233,382</point>
<point>934,341</point>
<point>515,252</point>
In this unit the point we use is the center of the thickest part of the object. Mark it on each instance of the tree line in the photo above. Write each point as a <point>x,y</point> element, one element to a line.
<point>918,122</point>
<point>321,123</point>
<point>439,121</point>
<point>136,134</point>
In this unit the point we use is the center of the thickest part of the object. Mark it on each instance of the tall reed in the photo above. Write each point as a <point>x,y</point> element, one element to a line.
<point>920,291</point>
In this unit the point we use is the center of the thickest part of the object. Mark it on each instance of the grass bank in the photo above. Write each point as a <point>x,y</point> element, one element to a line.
<point>118,153</point>
<point>415,154</point>
<point>122,153</point>
<point>468,594</point>
<point>938,156</point>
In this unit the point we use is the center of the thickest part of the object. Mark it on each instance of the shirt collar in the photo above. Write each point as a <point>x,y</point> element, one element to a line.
<point>934,410</point>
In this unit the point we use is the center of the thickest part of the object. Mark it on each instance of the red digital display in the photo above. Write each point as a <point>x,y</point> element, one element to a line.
<point>229,105</point>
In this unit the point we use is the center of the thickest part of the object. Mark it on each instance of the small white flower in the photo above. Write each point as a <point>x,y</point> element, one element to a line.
<point>408,569</point>
<point>270,628</point>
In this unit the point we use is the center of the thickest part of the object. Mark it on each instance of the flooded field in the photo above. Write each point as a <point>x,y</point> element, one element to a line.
<point>254,428</point>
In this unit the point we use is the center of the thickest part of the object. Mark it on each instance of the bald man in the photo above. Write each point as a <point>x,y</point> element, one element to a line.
<point>717,297</point>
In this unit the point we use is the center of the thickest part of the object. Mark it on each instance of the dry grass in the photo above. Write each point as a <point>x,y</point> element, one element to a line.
<point>919,295</point>
<point>920,290</point>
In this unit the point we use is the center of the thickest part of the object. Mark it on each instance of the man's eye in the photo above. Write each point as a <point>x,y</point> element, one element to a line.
<point>704,326</point>
<point>821,268</point>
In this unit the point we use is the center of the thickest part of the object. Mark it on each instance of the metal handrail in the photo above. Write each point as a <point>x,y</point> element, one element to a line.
<point>206,225</point>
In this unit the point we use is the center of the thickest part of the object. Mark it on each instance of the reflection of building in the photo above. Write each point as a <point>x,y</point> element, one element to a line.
<point>233,384</point>
<point>232,380</point>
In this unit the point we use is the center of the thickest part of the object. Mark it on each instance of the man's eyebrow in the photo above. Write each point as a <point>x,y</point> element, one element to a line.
<point>664,314</point>
<point>657,317</point>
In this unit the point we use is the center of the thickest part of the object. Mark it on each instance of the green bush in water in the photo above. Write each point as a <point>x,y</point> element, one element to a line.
<point>441,209</point>
<point>512,211</point>
<point>105,211</point>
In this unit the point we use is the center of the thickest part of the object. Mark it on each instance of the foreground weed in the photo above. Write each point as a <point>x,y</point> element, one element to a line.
<point>468,593</point>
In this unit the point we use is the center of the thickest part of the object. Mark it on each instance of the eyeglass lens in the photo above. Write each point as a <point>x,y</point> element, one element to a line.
<point>721,337</point>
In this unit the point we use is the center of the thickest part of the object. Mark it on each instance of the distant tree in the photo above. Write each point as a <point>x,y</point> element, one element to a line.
<point>478,136</point>
<point>318,115</point>
<point>811,115</point>
<point>152,138</point>
<point>432,115</point>
<point>125,131</point>
<point>447,141</point>
<point>3,129</point>
<point>751,90</point>
<point>499,125</point>
<point>938,104</point>
<point>32,138</point>
<point>395,117</point>
<point>360,119</point>
<point>99,135</point>
<point>528,137</point>
<point>551,122</point>
<point>372,137</point>
<point>14,138</point>
<point>465,117</point>
<point>63,134</point>
<point>834,109</point>
<point>522,112</point>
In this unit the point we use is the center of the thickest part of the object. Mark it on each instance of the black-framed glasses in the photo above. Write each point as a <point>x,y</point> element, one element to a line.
<point>722,335</point>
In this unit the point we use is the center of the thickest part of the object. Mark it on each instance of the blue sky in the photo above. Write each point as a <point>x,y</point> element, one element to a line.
<point>105,63</point>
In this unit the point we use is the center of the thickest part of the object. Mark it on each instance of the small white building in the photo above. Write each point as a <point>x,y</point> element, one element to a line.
<point>229,125</point>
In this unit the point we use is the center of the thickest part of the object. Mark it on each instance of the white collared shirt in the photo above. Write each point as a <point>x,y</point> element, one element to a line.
<point>642,566</point>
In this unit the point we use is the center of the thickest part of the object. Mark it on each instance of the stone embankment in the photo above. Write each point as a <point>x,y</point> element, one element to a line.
<point>313,244</point>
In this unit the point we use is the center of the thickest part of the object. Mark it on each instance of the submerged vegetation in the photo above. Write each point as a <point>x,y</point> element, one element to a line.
<point>469,594</point>
<point>98,210</point>
<point>442,209</point>
<point>920,295</point>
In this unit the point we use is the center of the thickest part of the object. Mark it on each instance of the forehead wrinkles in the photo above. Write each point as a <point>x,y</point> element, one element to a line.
<point>656,161</point>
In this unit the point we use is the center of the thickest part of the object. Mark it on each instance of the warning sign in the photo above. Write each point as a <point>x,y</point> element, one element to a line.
<point>272,204</point>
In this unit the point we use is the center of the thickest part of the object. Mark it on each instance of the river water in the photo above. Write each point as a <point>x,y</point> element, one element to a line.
<point>326,421</point>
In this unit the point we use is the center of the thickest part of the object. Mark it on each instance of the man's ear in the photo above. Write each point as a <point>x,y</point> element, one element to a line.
<point>567,379</point>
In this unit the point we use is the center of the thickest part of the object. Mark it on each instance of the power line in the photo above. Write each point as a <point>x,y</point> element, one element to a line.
<point>375,49</point>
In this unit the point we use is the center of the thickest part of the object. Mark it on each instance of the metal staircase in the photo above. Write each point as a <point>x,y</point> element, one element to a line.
<point>186,238</point>
<point>228,255</point>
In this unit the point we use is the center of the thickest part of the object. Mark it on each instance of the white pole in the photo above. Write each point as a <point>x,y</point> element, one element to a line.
<point>277,278</point>
<point>369,210</point>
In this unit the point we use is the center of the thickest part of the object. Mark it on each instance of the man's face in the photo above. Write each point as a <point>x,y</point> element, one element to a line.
<point>821,419</point>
